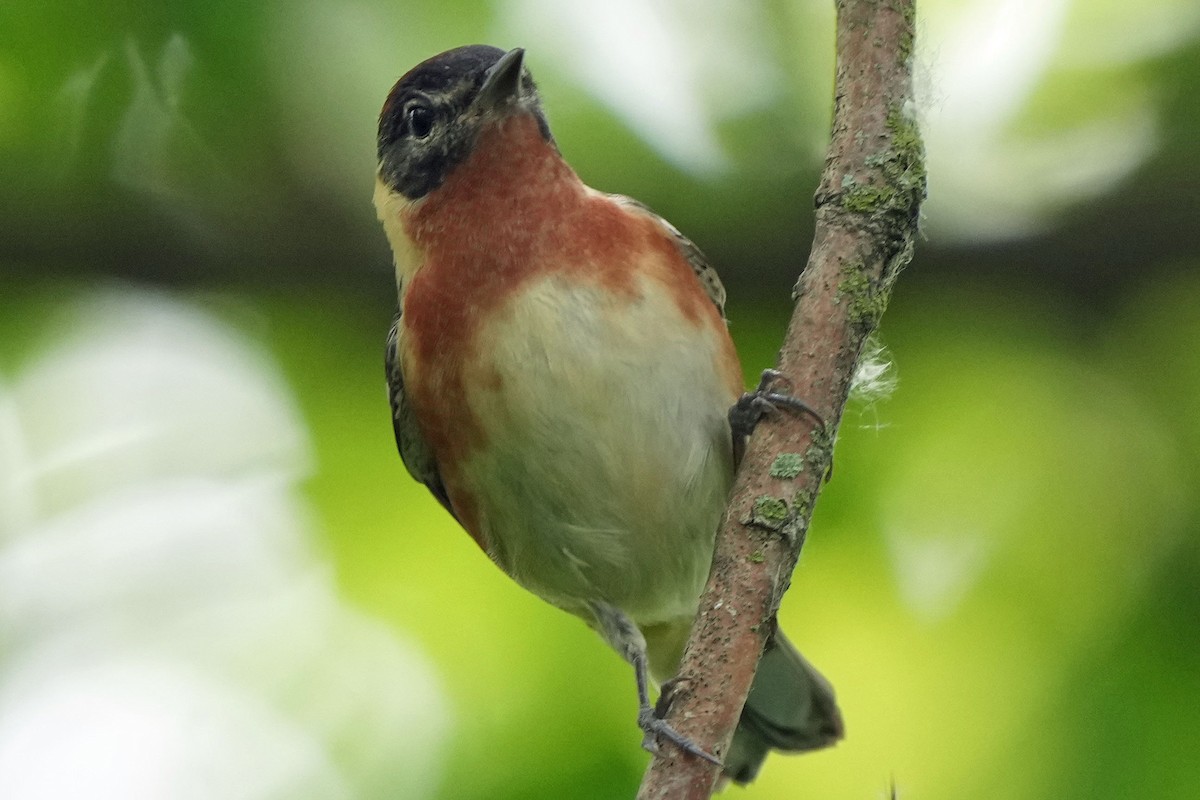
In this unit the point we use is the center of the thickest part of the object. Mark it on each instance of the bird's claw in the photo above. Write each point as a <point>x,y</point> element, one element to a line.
<point>654,727</point>
<point>751,407</point>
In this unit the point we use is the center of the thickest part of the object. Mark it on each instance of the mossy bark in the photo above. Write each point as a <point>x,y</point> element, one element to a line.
<point>867,208</point>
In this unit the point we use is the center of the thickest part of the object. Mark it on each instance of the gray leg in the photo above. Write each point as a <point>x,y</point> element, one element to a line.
<point>623,635</point>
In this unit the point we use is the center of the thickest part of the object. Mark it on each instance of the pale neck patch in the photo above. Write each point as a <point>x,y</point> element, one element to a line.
<point>391,208</point>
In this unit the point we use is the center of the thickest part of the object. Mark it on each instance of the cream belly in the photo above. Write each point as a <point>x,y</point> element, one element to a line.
<point>608,455</point>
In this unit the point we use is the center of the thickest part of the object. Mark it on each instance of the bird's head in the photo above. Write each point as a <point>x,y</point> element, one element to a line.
<point>435,113</point>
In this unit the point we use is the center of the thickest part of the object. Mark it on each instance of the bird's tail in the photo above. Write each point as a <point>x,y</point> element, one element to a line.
<point>791,708</point>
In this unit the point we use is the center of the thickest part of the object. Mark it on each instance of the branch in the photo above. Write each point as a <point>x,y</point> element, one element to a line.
<point>867,207</point>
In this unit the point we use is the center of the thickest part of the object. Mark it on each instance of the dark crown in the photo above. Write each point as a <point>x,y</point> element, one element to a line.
<point>431,117</point>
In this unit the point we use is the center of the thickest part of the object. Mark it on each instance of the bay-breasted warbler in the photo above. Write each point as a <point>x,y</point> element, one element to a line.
<point>560,375</point>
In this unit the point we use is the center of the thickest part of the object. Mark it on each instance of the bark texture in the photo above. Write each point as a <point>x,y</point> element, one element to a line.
<point>867,208</point>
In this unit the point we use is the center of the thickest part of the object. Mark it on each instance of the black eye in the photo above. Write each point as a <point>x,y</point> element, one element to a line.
<point>419,120</point>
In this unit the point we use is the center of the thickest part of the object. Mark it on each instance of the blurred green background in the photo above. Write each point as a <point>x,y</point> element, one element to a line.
<point>217,580</point>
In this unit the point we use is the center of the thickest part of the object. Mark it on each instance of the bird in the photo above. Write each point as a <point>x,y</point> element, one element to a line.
<point>560,374</point>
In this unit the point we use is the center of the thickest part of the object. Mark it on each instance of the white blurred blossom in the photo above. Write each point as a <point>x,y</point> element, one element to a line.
<point>169,629</point>
<point>1000,155</point>
<point>673,70</point>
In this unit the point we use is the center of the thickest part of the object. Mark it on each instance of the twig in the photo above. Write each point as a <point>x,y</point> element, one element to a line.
<point>867,208</point>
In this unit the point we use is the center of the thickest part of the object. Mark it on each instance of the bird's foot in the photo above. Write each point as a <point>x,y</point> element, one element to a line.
<point>751,407</point>
<point>655,727</point>
<point>620,631</point>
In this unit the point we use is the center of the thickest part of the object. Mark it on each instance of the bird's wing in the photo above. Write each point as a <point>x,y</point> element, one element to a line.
<point>414,450</point>
<point>705,273</point>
